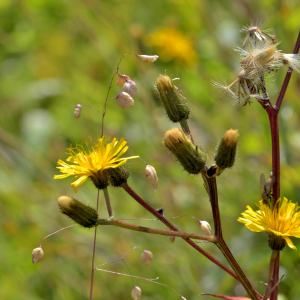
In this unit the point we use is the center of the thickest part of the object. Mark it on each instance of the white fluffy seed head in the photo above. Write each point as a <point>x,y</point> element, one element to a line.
<point>136,293</point>
<point>152,175</point>
<point>77,112</point>
<point>205,227</point>
<point>293,60</point>
<point>121,80</point>
<point>130,88</point>
<point>146,257</point>
<point>124,100</point>
<point>37,255</point>
<point>148,58</point>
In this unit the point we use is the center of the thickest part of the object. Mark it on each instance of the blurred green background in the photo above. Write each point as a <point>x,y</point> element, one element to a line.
<point>55,54</point>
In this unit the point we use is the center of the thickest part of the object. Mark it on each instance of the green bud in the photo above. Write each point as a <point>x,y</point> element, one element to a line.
<point>78,212</point>
<point>226,151</point>
<point>100,181</point>
<point>117,176</point>
<point>174,103</point>
<point>190,157</point>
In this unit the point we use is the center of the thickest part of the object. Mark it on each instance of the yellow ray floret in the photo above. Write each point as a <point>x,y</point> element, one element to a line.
<point>92,162</point>
<point>282,222</point>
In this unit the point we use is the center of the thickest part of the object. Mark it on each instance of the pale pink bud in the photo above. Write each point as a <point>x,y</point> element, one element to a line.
<point>205,227</point>
<point>146,257</point>
<point>37,255</point>
<point>77,112</point>
<point>121,79</point>
<point>130,87</point>
<point>148,58</point>
<point>172,239</point>
<point>151,174</point>
<point>124,100</point>
<point>136,293</point>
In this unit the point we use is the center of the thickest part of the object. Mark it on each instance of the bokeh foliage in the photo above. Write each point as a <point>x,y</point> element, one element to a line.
<point>57,53</point>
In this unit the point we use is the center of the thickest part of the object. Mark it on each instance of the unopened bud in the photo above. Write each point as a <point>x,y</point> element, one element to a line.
<point>182,298</point>
<point>173,102</point>
<point>37,255</point>
<point>147,257</point>
<point>151,174</point>
<point>130,87</point>
<point>121,79</point>
<point>205,227</point>
<point>148,58</point>
<point>190,157</point>
<point>124,100</point>
<point>172,239</point>
<point>136,293</point>
<point>117,176</point>
<point>226,151</point>
<point>77,112</point>
<point>77,211</point>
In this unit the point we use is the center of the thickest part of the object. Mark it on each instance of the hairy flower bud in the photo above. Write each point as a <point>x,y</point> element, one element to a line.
<point>173,102</point>
<point>124,100</point>
<point>151,174</point>
<point>37,255</point>
<point>130,88</point>
<point>226,151</point>
<point>190,157</point>
<point>148,58</point>
<point>77,112</point>
<point>136,293</point>
<point>146,257</point>
<point>121,79</point>
<point>78,212</point>
<point>205,227</point>
<point>117,176</point>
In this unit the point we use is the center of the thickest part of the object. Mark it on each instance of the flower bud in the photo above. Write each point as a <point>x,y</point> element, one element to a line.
<point>172,239</point>
<point>130,87</point>
<point>121,79</point>
<point>117,176</point>
<point>124,100</point>
<point>205,227</point>
<point>77,112</point>
<point>151,174</point>
<point>182,298</point>
<point>37,255</point>
<point>148,58</point>
<point>190,157</point>
<point>173,102</point>
<point>226,151</point>
<point>136,293</point>
<point>147,257</point>
<point>78,212</point>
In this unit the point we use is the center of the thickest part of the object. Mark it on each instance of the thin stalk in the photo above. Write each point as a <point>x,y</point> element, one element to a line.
<point>108,204</point>
<point>148,207</point>
<point>186,129</point>
<point>271,274</point>
<point>94,250</point>
<point>274,283</point>
<point>155,231</point>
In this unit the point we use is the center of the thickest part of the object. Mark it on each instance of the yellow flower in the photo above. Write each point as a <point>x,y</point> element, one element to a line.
<point>92,163</point>
<point>280,223</point>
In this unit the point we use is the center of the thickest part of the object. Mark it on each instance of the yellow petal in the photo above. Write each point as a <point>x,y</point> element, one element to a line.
<point>290,243</point>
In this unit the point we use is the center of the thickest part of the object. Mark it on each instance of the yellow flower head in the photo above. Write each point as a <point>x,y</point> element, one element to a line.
<point>281,222</point>
<point>92,162</point>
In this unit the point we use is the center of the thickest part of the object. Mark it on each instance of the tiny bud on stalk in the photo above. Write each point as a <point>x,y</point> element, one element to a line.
<point>172,239</point>
<point>121,79</point>
<point>146,257</point>
<point>205,227</point>
<point>37,255</point>
<point>136,293</point>
<point>182,298</point>
<point>77,112</point>
<point>130,88</point>
<point>151,174</point>
<point>148,58</point>
<point>190,157</point>
<point>124,100</point>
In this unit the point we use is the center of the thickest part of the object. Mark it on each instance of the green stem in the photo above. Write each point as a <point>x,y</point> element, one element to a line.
<point>108,205</point>
<point>186,129</point>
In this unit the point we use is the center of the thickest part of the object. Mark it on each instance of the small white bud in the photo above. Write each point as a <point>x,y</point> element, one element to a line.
<point>172,239</point>
<point>148,58</point>
<point>136,293</point>
<point>152,175</point>
<point>130,87</point>
<point>37,255</point>
<point>146,257</point>
<point>121,79</point>
<point>77,112</point>
<point>205,227</point>
<point>182,298</point>
<point>124,100</point>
